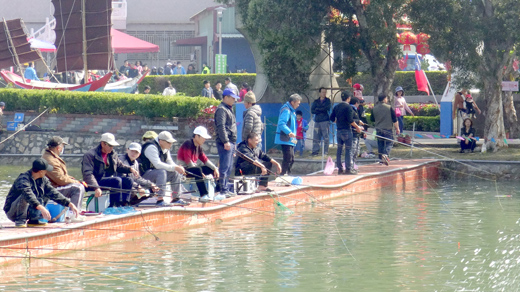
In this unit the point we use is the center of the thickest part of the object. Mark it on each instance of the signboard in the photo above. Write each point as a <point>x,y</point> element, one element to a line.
<point>220,64</point>
<point>509,85</point>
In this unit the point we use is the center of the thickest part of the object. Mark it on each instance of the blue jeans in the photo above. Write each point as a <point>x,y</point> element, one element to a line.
<point>300,144</point>
<point>400,120</point>
<point>118,198</point>
<point>225,165</point>
<point>354,151</point>
<point>344,138</point>
<point>384,145</point>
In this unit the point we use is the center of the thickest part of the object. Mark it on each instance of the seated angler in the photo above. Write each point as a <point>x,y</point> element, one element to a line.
<point>140,184</point>
<point>99,168</point>
<point>29,194</point>
<point>157,166</point>
<point>59,176</point>
<point>248,161</point>
<point>188,156</point>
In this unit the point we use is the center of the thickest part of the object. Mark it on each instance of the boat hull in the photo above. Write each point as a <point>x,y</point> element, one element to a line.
<point>125,86</point>
<point>17,81</point>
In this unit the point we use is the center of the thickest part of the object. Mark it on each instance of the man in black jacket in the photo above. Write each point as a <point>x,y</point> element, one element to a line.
<point>226,128</point>
<point>29,194</point>
<point>250,164</point>
<point>100,166</point>
<point>320,108</point>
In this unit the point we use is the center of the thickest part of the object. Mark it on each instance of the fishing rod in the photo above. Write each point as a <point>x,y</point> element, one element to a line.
<point>25,126</point>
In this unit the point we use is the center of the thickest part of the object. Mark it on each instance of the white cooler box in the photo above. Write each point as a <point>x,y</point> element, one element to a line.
<point>98,205</point>
<point>245,185</point>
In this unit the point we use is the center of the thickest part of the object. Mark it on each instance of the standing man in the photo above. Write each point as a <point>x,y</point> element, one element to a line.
<point>286,131</point>
<point>157,166</point>
<point>179,70</point>
<point>205,69</point>
<point>207,91</point>
<point>100,166</point>
<point>226,128</point>
<point>59,176</point>
<point>252,120</point>
<point>29,194</point>
<point>343,115</point>
<point>2,107</point>
<point>459,111</point>
<point>168,69</point>
<point>320,109</point>
<point>218,90</point>
<point>231,86</point>
<point>384,117</point>
<point>30,73</point>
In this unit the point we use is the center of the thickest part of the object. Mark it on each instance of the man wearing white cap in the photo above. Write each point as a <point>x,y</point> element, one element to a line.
<point>157,166</point>
<point>100,166</point>
<point>188,156</point>
<point>140,184</point>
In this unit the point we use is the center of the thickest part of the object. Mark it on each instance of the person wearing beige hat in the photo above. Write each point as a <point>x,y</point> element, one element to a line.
<point>158,166</point>
<point>149,135</point>
<point>252,117</point>
<point>59,176</point>
<point>100,166</point>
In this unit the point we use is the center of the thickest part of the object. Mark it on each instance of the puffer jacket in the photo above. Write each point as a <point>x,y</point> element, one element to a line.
<point>225,124</point>
<point>252,122</point>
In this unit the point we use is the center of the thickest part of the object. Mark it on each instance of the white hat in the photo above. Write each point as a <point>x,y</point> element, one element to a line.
<point>201,131</point>
<point>109,139</point>
<point>135,146</point>
<point>166,136</point>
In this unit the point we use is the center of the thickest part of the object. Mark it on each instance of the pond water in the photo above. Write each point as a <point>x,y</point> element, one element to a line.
<point>451,236</point>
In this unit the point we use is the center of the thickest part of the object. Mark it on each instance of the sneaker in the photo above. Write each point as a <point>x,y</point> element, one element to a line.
<point>352,172</point>
<point>340,171</point>
<point>371,155</point>
<point>230,194</point>
<point>20,224</point>
<point>162,203</point>
<point>219,197</point>
<point>204,199</point>
<point>36,223</point>
<point>179,202</point>
<point>385,159</point>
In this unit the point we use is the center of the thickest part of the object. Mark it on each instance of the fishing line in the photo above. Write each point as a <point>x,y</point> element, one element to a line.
<point>74,250</point>
<point>25,126</point>
<point>65,259</point>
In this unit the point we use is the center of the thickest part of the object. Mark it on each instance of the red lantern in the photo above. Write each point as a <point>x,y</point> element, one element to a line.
<point>423,49</point>
<point>422,38</point>
<point>407,38</point>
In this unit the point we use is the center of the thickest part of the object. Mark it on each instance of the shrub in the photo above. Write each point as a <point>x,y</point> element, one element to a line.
<point>192,84</point>
<point>418,109</point>
<point>105,103</point>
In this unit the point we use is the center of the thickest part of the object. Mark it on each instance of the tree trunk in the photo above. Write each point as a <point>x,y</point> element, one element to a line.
<point>510,117</point>
<point>494,114</point>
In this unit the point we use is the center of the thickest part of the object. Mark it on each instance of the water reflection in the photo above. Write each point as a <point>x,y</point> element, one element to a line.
<point>448,237</point>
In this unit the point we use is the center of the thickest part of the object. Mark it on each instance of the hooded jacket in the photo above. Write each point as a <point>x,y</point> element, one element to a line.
<point>286,125</point>
<point>252,121</point>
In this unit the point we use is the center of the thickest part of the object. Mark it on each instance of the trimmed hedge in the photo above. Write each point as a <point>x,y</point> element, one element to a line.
<point>192,84</point>
<point>105,103</point>
<point>405,79</point>
<point>422,123</point>
<point>418,109</point>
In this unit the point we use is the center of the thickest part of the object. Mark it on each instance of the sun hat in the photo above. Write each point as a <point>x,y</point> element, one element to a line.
<point>109,139</point>
<point>149,135</point>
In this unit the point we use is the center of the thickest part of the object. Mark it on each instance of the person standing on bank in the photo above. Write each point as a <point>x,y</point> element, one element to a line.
<point>252,117</point>
<point>286,131</point>
<point>29,194</point>
<point>320,109</point>
<point>343,116</point>
<point>401,107</point>
<point>226,128</point>
<point>384,117</point>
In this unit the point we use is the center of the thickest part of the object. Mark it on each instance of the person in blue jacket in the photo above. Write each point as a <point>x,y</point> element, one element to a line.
<point>286,131</point>
<point>30,73</point>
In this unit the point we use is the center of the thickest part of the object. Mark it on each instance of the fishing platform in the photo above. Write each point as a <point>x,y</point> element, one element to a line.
<point>400,175</point>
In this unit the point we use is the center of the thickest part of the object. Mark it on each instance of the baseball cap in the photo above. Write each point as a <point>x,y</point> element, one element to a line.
<point>229,92</point>
<point>109,139</point>
<point>149,135</point>
<point>55,141</point>
<point>250,97</point>
<point>41,164</point>
<point>135,146</point>
<point>202,131</point>
<point>166,136</point>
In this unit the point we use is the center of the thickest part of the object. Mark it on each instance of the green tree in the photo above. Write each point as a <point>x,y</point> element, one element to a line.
<point>479,38</point>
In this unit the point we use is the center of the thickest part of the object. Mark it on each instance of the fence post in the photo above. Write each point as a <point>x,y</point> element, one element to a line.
<point>322,142</point>
<point>265,134</point>
<point>413,138</point>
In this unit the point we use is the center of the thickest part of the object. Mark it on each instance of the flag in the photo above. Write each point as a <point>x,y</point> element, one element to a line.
<point>420,77</point>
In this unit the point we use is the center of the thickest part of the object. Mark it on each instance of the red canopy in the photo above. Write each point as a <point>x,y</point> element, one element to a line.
<point>124,43</point>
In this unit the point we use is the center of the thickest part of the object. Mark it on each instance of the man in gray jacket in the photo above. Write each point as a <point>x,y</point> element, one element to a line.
<point>384,117</point>
<point>226,128</point>
<point>252,120</point>
<point>321,108</point>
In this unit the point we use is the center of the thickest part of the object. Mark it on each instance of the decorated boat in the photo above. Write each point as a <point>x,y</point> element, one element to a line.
<point>19,82</point>
<point>127,85</point>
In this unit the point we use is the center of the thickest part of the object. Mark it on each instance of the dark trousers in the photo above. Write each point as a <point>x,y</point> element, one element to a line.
<point>198,172</point>
<point>20,211</point>
<point>225,165</point>
<point>400,121</point>
<point>118,198</point>
<point>251,169</point>
<point>470,146</point>
<point>344,138</point>
<point>288,158</point>
<point>384,145</point>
